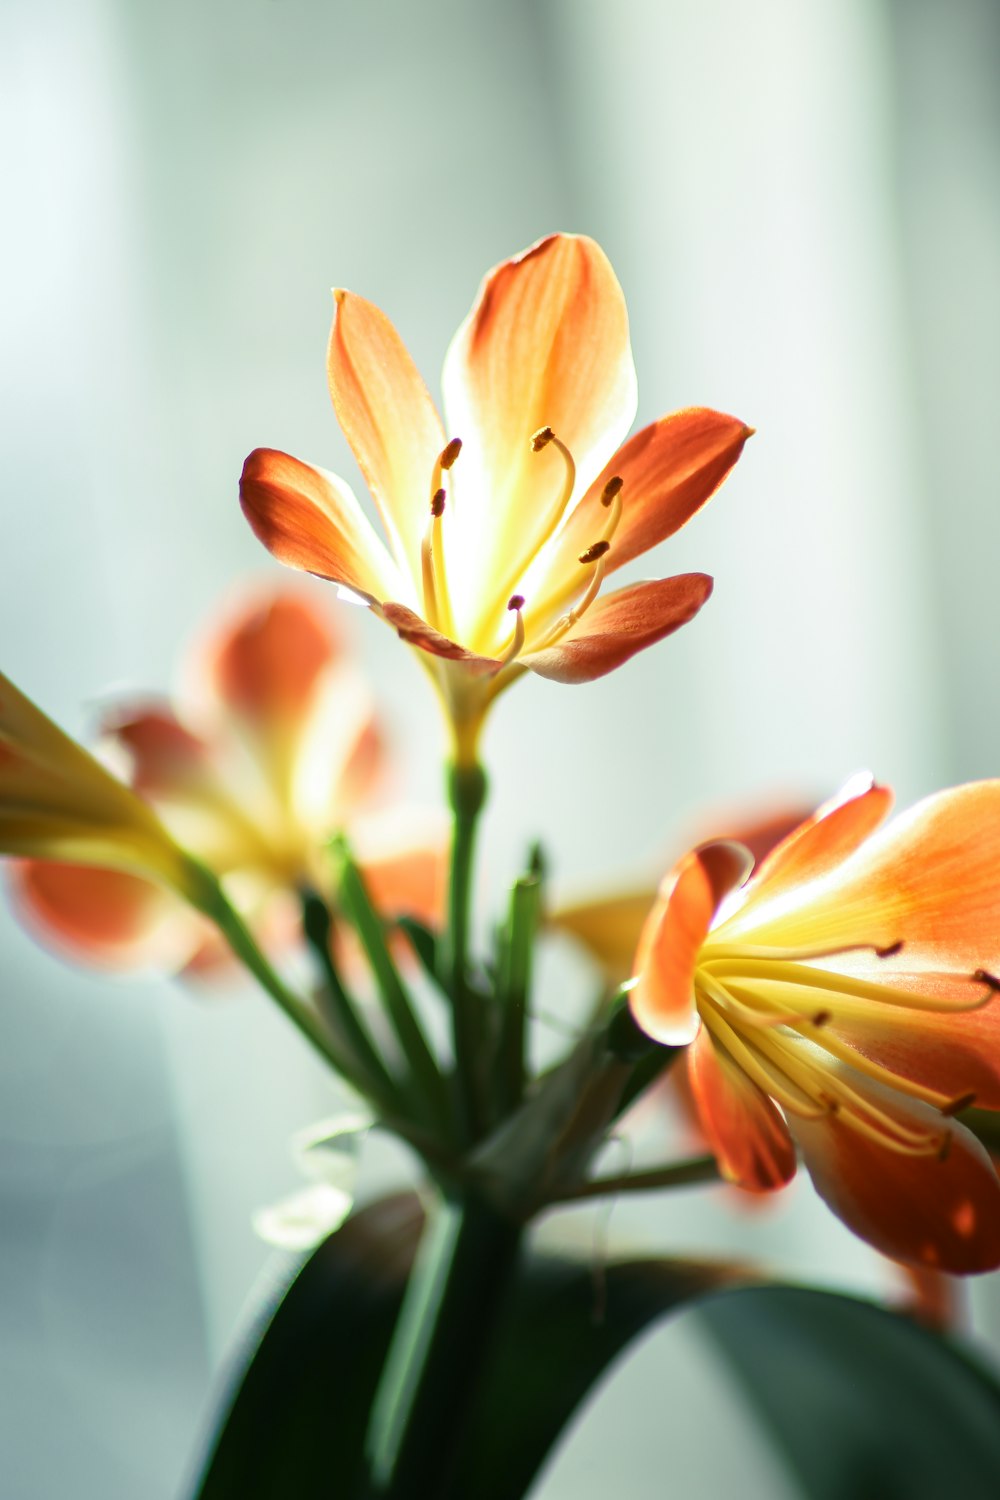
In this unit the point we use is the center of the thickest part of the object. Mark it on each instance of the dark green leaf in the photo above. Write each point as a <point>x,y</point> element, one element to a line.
<point>865,1404</point>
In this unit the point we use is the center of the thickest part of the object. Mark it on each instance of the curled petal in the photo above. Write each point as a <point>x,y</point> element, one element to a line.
<point>388,418</point>
<point>941,1213</point>
<point>662,999</point>
<point>412,629</point>
<point>668,471</point>
<point>310,519</point>
<point>102,917</point>
<point>742,1126</point>
<point>545,345</point>
<point>822,841</point>
<point>619,625</point>
<point>928,880</point>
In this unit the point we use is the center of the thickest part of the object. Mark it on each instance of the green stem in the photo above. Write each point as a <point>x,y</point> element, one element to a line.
<point>681,1174</point>
<point>215,905</point>
<point>453,1305</point>
<point>467,794</point>
<point>514,990</point>
<point>430,1092</point>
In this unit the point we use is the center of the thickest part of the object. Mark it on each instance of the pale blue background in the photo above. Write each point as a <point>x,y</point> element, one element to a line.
<point>803,205</point>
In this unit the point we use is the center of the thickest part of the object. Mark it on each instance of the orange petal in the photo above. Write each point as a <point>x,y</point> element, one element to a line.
<point>928,880</point>
<point>403,852</point>
<point>824,840</point>
<point>388,418</point>
<point>662,999</point>
<point>412,629</point>
<point>668,471</point>
<point>608,928</point>
<point>743,1128</point>
<point>546,344</point>
<point>266,659</point>
<point>165,757</point>
<point>309,519</point>
<point>620,624</point>
<point>103,917</point>
<point>943,1214</point>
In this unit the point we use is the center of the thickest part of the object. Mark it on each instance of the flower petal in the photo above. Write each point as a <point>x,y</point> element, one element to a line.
<point>824,840</point>
<point>388,417</point>
<point>608,927</point>
<point>403,853</point>
<point>265,660</point>
<point>546,344</point>
<point>310,519</point>
<point>103,917</point>
<point>668,471</point>
<point>165,757</point>
<point>939,1213</point>
<point>620,624</point>
<point>928,880</point>
<point>662,999</point>
<point>743,1128</point>
<point>416,632</point>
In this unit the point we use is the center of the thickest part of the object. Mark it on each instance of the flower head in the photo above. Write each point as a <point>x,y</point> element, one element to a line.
<point>500,537</point>
<point>840,1001</point>
<point>277,747</point>
<point>58,802</point>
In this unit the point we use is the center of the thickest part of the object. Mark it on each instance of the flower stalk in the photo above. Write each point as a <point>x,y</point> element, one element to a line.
<point>467,789</point>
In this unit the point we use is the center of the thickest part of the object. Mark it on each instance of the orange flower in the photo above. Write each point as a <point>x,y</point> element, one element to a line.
<point>839,1002</point>
<point>500,539</point>
<point>281,749</point>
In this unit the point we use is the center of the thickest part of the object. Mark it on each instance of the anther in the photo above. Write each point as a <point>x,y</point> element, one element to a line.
<point>541,439</point>
<point>516,601</point>
<point>891,950</point>
<point>593,553</point>
<point>822,1018</point>
<point>964,1101</point>
<point>450,452</point>
<point>983,976</point>
<point>611,489</point>
<point>437,503</point>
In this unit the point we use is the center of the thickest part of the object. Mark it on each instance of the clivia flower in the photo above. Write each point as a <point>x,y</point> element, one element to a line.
<point>839,1001</point>
<point>58,802</point>
<point>501,536</point>
<point>276,748</point>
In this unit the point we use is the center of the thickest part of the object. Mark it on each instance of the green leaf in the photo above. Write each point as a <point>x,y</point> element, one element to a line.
<point>297,1411</point>
<point>866,1404</point>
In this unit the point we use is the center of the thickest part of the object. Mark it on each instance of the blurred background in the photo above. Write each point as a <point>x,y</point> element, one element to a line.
<point>803,206</point>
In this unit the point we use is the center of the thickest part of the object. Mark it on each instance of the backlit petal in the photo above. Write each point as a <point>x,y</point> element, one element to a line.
<point>265,660</point>
<point>411,628</point>
<point>165,757</point>
<point>387,416</point>
<point>668,471</point>
<point>103,917</point>
<point>743,1128</point>
<point>546,344</point>
<point>620,624</point>
<point>608,927</point>
<point>310,519</point>
<point>928,880</point>
<point>662,999</point>
<point>939,1213</point>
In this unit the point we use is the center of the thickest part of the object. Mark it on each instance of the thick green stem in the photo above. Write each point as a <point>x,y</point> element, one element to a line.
<point>466,793</point>
<point>453,1304</point>
<point>514,988</point>
<point>680,1174</point>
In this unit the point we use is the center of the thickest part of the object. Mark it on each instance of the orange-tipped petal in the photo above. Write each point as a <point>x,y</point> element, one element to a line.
<point>662,999</point>
<point>928,881</point>
<point>310,519</point>
<point>165,757</point>
<point>668,471</point>
<point>545,345</point>
<point>387,416</point>
<point>823,840</point>
<point>619,625</point>
<point>102,917</point>
<point>266,660</point>
<point>416,632</point>
<point>744,1129</point>
<point>942,1213</point>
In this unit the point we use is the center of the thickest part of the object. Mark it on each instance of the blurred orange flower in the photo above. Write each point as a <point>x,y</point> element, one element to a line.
<point>500,539</point>
<point>848,982</point>
<point>278,749</point>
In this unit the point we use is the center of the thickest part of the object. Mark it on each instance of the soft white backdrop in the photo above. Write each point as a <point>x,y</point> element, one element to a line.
<point>803,205</point>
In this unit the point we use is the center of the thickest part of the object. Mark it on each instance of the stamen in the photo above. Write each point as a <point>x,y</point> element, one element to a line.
<point>611,500</point>
<point>773,1082</point>
<point>437,604</point>
<point>964,1101</point>
<point>516,605</point>
<point>983,976</point>
<point>541,439</point>
<point>891,950</point>
<point>755,969</point>
<point>437,504</point>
